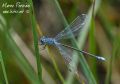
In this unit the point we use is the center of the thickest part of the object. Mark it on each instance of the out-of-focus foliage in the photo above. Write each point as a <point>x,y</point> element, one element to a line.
<point>101,38</point>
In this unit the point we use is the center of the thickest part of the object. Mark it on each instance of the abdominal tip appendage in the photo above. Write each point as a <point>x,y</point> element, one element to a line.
<point>101,58</point>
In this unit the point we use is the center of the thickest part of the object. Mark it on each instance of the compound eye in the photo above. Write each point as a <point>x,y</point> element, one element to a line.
<point>41,42</point>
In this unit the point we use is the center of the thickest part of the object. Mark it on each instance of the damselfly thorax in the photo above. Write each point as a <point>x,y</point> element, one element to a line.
<point>47,41</point>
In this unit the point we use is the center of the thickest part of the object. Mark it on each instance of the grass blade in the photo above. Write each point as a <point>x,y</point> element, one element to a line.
<point>92,44</point>
<point>85,67</point>
<point>60,13</point>
<point>55,65</point>
<point>53,60</point>
<point>19,57</point>
<point>108,28</point>
<point>3,68</point>
<point>34,28</point>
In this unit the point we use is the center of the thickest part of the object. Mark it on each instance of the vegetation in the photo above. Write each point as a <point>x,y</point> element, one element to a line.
<point>23,23</point>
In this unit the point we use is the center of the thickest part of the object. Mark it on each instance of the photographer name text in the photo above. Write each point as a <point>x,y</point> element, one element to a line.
<point>18,7</point>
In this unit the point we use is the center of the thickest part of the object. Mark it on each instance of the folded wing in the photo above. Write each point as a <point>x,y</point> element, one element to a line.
<point>72,29</point>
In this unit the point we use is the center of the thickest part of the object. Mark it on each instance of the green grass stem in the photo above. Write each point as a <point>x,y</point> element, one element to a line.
<point>53,59</point>
<point>55,65</point>
<point>85,67</point>
<point>3,68</point>
<point>19,57</point>
<point>35,37</point>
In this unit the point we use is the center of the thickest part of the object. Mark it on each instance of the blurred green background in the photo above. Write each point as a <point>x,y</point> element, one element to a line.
<point>101,37</point>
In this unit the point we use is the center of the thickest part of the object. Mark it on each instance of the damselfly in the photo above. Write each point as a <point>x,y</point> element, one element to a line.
<point>73,28</point>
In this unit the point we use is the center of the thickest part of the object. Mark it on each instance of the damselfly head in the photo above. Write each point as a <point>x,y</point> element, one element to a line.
<point>42,40</point>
